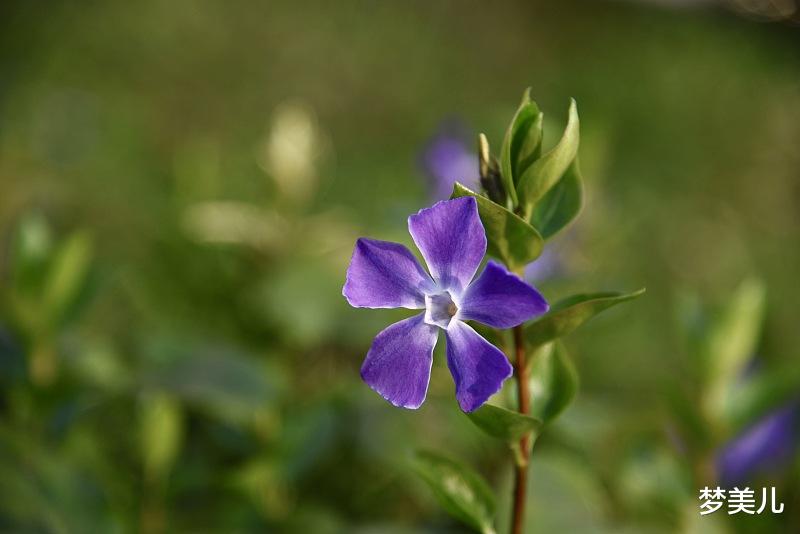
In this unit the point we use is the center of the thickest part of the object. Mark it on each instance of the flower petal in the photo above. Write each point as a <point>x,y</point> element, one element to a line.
<point>385,275</point>
<point>398,365</point>
<point>478,367</point>
<point>768,445</point>
<point>452,240</point>
<point>500,299</point>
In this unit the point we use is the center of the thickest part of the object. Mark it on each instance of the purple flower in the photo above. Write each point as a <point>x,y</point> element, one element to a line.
<point>387,275</point>
<point>766,446</point>
<point>446,160</point>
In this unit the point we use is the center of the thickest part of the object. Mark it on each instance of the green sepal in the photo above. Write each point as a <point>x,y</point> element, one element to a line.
<point>546,171</point>
<point>561,204</point>
<point>553,381</point>
<point>510,239</point>
<point>568,314</point>
<point>504,424</point>
<point>462,492</point>
<point>521,144</point>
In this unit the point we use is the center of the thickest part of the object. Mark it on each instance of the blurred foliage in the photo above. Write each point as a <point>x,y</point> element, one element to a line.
<point>180,188</point>
<point>460,491</point>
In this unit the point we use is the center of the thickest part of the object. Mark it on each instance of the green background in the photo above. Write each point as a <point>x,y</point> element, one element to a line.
<point>214,387</point>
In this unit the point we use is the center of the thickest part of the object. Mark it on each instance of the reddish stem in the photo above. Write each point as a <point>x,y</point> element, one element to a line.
<point>521,469</point>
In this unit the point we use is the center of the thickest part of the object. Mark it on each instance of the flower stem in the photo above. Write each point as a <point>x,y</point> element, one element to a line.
<point>521,466</point>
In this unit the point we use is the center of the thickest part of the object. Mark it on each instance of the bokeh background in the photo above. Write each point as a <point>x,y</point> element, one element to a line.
<point>181,184</point>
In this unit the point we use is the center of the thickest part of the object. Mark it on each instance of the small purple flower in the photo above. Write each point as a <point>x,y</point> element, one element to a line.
<point>387,275</point>
<point>768,445</point>
<point>446,160</point>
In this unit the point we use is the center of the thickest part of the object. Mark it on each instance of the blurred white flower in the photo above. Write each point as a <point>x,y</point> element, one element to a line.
<point>291,149</point>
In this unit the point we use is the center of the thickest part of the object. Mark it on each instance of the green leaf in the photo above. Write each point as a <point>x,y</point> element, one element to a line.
<point>521,143</point>
<point>731,339</point>
<point>463,493</point>
<point>515,242</point>
<point>504,424</point>
<point>66,275</point>
<point>568,314</point>
<point>553,381</point>
<point>546,171</point>
<point>31,252</point>
<point>561,204</point>
<point>161,418</point>
<point>527,148</point>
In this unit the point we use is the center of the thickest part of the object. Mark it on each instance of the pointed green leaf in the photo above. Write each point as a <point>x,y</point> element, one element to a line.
<point>553,381</point>
<point>67,274</point>
<point>515,242</point>
<point>527,146</point>
<point>462,493</point>
<point>568,314</point>
<point>561,204</point>
<point>521,142</point>
<point>732,338</point>
<point>504,424</point>
<point>161,433</point>
<point>31,252</point>
<point>546,171</point>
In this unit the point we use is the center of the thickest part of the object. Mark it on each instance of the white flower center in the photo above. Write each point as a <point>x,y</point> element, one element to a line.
<point>440,309</point>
